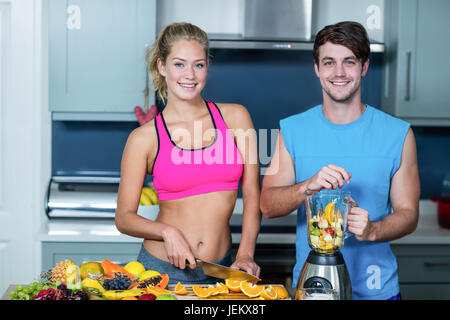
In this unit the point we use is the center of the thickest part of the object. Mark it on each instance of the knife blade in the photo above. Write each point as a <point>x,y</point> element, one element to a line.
<point>222,272</point>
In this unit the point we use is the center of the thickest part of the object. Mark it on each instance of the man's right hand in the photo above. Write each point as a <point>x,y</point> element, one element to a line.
<point>329,177</point>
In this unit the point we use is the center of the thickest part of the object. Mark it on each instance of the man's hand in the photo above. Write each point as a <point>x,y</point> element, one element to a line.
<point>329,177</point>
<point>359,224</point>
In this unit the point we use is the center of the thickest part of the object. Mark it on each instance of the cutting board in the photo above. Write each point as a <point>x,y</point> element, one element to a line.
<point>230,296</point>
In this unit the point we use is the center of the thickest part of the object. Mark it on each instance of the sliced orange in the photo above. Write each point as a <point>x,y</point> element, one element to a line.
<point>269,293</point>
<point>233,285</point>
<point>201,292</point>
<point>223,288</point>
<point>129,298</point>
<point>180,289</point>
<point>214,290</point>
<point>250,289</point>
<point>329,213</point>
<point>282,293</point>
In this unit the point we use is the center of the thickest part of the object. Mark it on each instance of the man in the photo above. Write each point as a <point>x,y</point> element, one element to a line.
<point>345,144</point>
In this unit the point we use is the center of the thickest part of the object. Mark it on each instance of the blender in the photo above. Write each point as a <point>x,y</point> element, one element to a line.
<point>326,216</point>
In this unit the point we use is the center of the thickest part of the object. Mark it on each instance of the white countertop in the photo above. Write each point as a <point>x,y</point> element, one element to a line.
<point>98,230</point>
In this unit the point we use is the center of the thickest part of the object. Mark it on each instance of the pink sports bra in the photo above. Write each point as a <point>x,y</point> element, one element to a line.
<point>179,173</point>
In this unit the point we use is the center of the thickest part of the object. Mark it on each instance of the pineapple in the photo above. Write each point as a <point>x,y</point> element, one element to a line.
<point>59,271</point>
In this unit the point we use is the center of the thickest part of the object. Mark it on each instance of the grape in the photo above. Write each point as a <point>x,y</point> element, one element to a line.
<point>19,288</point>
<point>12,294</point>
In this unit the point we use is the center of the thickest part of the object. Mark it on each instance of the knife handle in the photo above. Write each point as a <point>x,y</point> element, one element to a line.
<point>197,261</point>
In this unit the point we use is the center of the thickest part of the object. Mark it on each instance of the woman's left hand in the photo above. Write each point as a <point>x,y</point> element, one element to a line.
<point>246,264</point>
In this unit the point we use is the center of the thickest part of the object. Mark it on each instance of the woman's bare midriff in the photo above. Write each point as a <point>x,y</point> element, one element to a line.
<point>204,221</point>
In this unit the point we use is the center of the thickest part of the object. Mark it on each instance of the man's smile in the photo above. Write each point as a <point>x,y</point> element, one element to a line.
<point>340,83</point>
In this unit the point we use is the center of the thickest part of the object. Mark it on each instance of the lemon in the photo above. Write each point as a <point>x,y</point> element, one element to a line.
<point>135,268</point>
<point>148,274</point>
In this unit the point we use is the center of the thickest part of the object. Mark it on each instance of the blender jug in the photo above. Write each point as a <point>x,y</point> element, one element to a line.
<point>326,215</point>
<point>325,268</point>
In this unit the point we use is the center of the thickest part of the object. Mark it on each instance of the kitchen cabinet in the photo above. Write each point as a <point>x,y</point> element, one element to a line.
<point>416,82</point>
<point>80,252</point>
<point>96,54</point>
<point>424,271</point>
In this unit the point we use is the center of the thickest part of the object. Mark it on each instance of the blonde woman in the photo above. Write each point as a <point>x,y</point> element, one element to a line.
<point>198,152</point>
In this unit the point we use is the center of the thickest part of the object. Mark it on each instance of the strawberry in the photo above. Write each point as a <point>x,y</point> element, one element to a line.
<point>330,231</point>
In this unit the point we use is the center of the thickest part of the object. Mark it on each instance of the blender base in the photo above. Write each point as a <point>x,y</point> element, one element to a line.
<point>326,271</point>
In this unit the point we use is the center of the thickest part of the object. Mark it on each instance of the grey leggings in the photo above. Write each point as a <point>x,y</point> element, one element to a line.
<point>185,276</point>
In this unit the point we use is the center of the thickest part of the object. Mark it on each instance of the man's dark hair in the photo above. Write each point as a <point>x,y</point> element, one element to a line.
<point>349,34</point>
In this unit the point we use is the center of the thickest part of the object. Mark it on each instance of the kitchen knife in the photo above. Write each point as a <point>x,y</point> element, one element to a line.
<point>222,272</point>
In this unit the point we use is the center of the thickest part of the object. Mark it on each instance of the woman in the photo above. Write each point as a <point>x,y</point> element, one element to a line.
<point>196,163</point>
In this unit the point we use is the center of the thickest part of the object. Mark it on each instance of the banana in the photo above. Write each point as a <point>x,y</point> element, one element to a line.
<point>151,194</point>
<point>145,199</point>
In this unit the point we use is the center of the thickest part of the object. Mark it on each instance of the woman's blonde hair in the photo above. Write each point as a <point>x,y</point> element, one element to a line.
<point>163,46</point>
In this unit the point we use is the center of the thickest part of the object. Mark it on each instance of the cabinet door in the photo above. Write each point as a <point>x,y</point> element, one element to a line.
<point>96,54</point>
<point>422,69</point>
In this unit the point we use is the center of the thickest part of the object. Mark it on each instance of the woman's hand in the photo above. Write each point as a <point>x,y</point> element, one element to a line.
<point>247,264</point>
<point>177,248</point>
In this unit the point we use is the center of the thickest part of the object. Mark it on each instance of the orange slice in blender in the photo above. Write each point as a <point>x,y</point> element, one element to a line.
<point>328,213</point>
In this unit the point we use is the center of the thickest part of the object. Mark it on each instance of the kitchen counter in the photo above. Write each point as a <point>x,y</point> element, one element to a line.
<point>98,230</point>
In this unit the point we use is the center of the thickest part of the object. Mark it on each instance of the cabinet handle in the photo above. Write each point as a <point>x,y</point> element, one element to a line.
<point>436,264</point>
<point>408,76</point>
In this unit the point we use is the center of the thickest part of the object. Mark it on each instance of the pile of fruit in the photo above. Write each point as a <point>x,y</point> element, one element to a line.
<point>106,280</point>
<point>326,229</point>
<point>149,196</point>
<point>96,280</point>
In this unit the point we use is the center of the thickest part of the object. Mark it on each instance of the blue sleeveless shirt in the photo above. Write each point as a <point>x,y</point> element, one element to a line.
<point>370,149</point>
